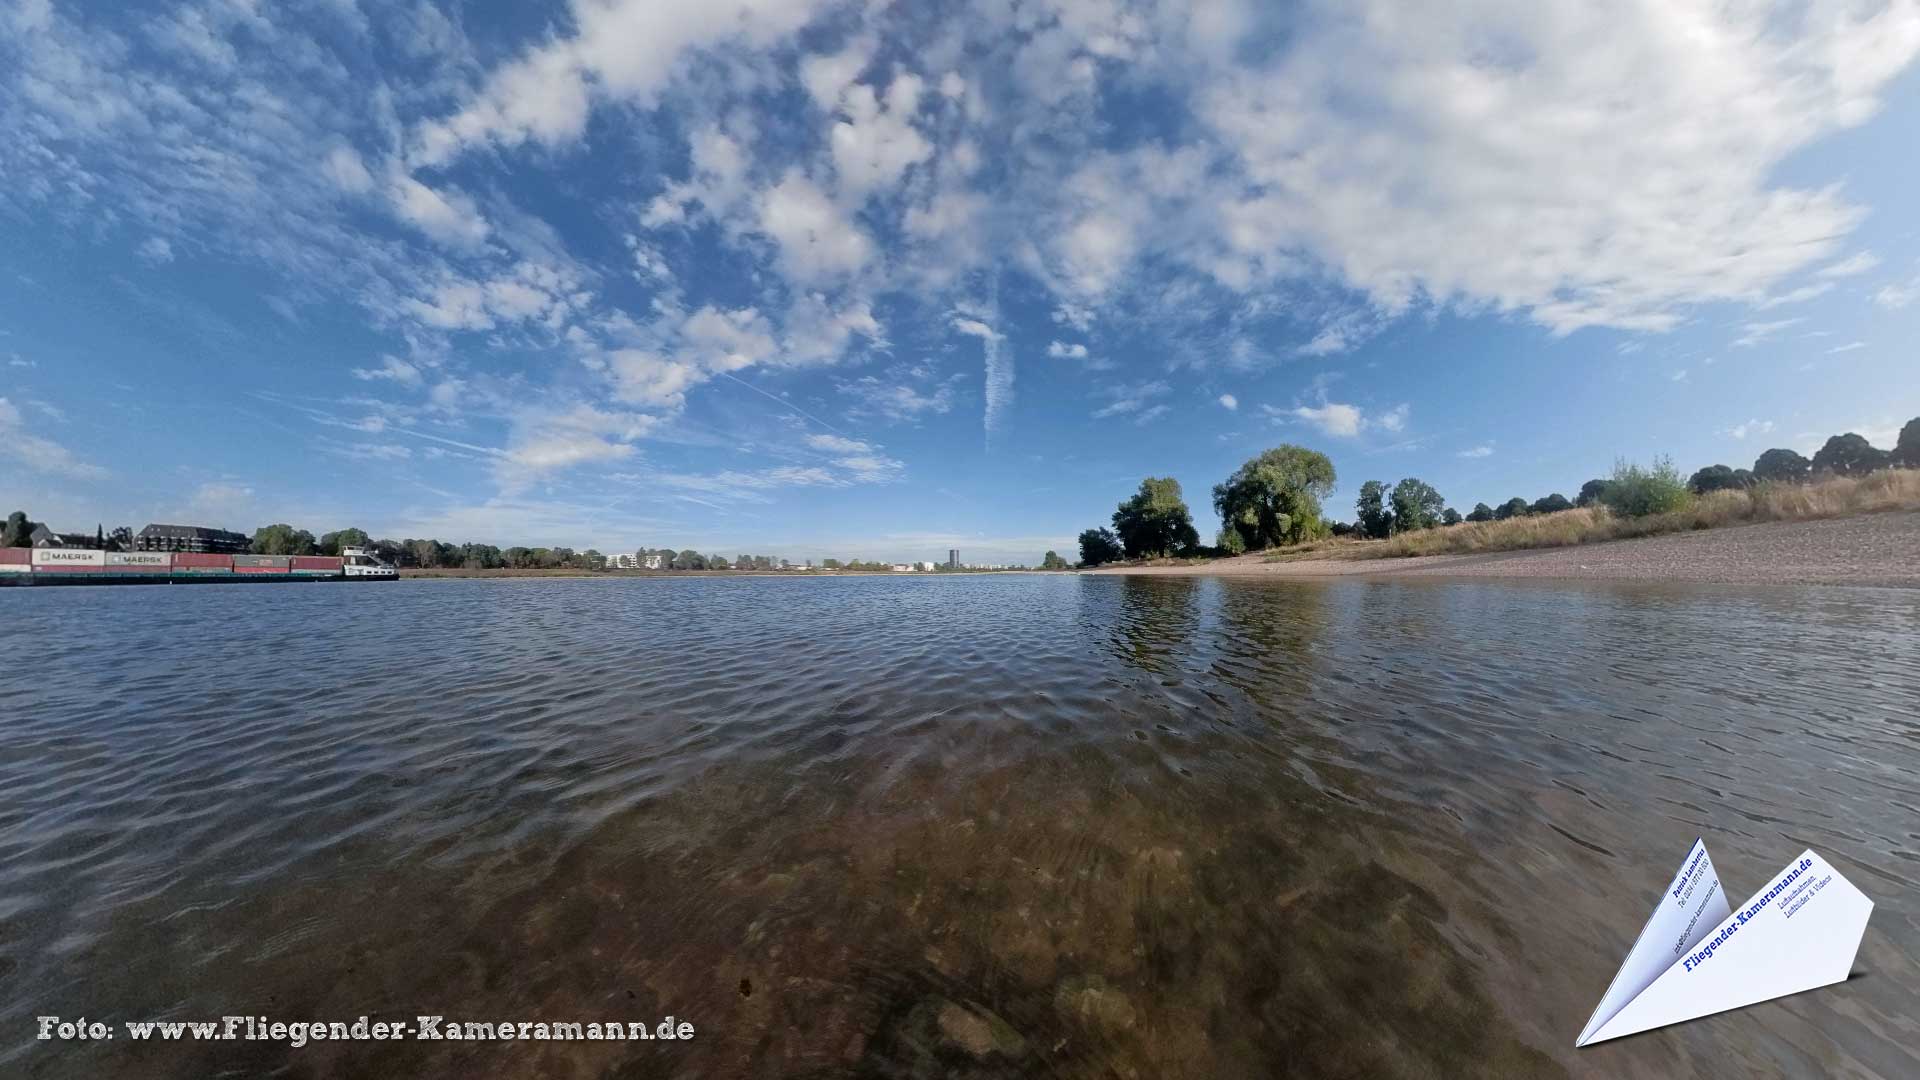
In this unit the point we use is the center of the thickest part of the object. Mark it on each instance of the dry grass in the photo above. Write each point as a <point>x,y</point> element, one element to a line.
<point>1893,489</point>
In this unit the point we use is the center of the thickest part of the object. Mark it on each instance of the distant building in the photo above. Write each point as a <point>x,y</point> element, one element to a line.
<point>925,566</point>
<point>191,538</point>
<point>902,568</point>
<point>652,562</point>
<point>623,561</point>
<point>953,558</point>
<point>43,537</point>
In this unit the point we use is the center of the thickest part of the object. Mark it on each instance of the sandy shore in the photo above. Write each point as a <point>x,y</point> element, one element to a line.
<point>1874,549</point>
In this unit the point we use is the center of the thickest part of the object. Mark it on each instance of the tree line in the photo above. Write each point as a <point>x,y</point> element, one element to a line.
<point>1274,500</point>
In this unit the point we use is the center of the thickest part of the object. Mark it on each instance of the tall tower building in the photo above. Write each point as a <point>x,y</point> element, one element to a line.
<point>953,558</point>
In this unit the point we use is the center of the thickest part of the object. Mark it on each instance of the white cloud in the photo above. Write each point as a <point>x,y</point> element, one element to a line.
<point>391,368</point>
<point>449,218</point>
<point>1481,451</point>
<point>1074,316</point>
<point>1796,296</point>
<point>875,143</point>
<point>36,454</point>
<point>155,250</point>
<point>1858,263</point>
<point>1060,350</point>
<point>817,241</point>
<point>544,442</point>
<point>1754,333</point>
<point>838,444</point>
<point>897,399</point>
<point>344,168</point>
<point>1750,427</point>
<point>1333,418</point>
<point>1850,346</point>
<point>620,50</point>
<point>1339,419</point>
<point>1228,401</point>
<point>1898,295</point>
<point>1133,399</point>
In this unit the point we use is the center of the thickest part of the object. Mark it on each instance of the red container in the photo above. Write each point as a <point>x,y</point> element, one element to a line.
<point>16,556</point>
<point>183,559</point>
<point>317,562</point>
<point>259,569</point>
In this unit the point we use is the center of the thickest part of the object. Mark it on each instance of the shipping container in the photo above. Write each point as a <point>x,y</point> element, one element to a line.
<point>184,559</point>
<point>13,556</point>
<point>205,571</point>
<point>329,563</point>
<point>259,569</point>
<point>15,567</point>
<point>68,558</point>
<point>142,561</point>
<point>275,562</point>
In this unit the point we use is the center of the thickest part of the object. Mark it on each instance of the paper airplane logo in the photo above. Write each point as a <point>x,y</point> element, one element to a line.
<point>1696,956</point>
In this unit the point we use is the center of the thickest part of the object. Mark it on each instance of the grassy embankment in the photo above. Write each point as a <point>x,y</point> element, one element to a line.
<point>1891,489</point>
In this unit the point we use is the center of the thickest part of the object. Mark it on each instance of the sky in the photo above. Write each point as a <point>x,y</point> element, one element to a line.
<point>879,280</point>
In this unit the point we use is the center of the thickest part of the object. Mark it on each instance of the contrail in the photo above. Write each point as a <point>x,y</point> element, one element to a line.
<point>781,400</point>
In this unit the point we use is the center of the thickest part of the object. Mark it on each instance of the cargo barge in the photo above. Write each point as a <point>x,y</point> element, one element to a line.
<point>78,566</point>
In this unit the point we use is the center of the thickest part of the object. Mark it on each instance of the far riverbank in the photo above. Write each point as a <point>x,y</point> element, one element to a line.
<point>575,572</point>
<point>1872,549</point>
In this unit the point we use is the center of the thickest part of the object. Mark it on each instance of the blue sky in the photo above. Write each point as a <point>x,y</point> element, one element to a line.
<point>879,280</point>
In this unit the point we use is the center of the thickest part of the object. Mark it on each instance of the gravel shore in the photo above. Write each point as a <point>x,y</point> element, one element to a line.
<point>1874,549</point>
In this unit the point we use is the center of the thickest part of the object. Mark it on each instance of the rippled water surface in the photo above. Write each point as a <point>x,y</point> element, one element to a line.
<point>943,826</point>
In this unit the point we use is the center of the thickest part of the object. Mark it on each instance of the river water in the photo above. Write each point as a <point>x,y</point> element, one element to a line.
<point>966,826</point>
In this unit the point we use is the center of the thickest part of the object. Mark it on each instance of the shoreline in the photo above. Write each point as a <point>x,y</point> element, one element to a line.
<point>1880,549</point>
<point>569,572</point>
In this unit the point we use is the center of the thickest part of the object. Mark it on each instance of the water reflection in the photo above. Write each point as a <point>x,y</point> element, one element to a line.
<point>1082,827</point>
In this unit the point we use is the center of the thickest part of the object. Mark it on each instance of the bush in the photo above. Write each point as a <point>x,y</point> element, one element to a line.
<point>1513,508</point>
<point>1552,504</point>
<point>1637,492</point>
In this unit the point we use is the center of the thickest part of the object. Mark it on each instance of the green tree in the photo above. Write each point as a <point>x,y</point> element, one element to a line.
<point>1849,455</point>
<point>1275,498</point>
<point>1450,517</point>
<point>1637,492</point>
<point>1228,541</point>
<point>1155,521</point>
<point>282,539</point>
<point>1370,511</point>
<point>1906,451</point>
<point>1591,492</point>
<point>1551,504</point>
<point>1099,546</point>
<point>1714,478</point>
<point>718,562</point>
<point>1480,512</point>
<point>1416,505</point>
<point>18,530</point>
<point>334,542</point>
<point>1052,561</point>
<point>1512,508</point>
<point>1782,467</point>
